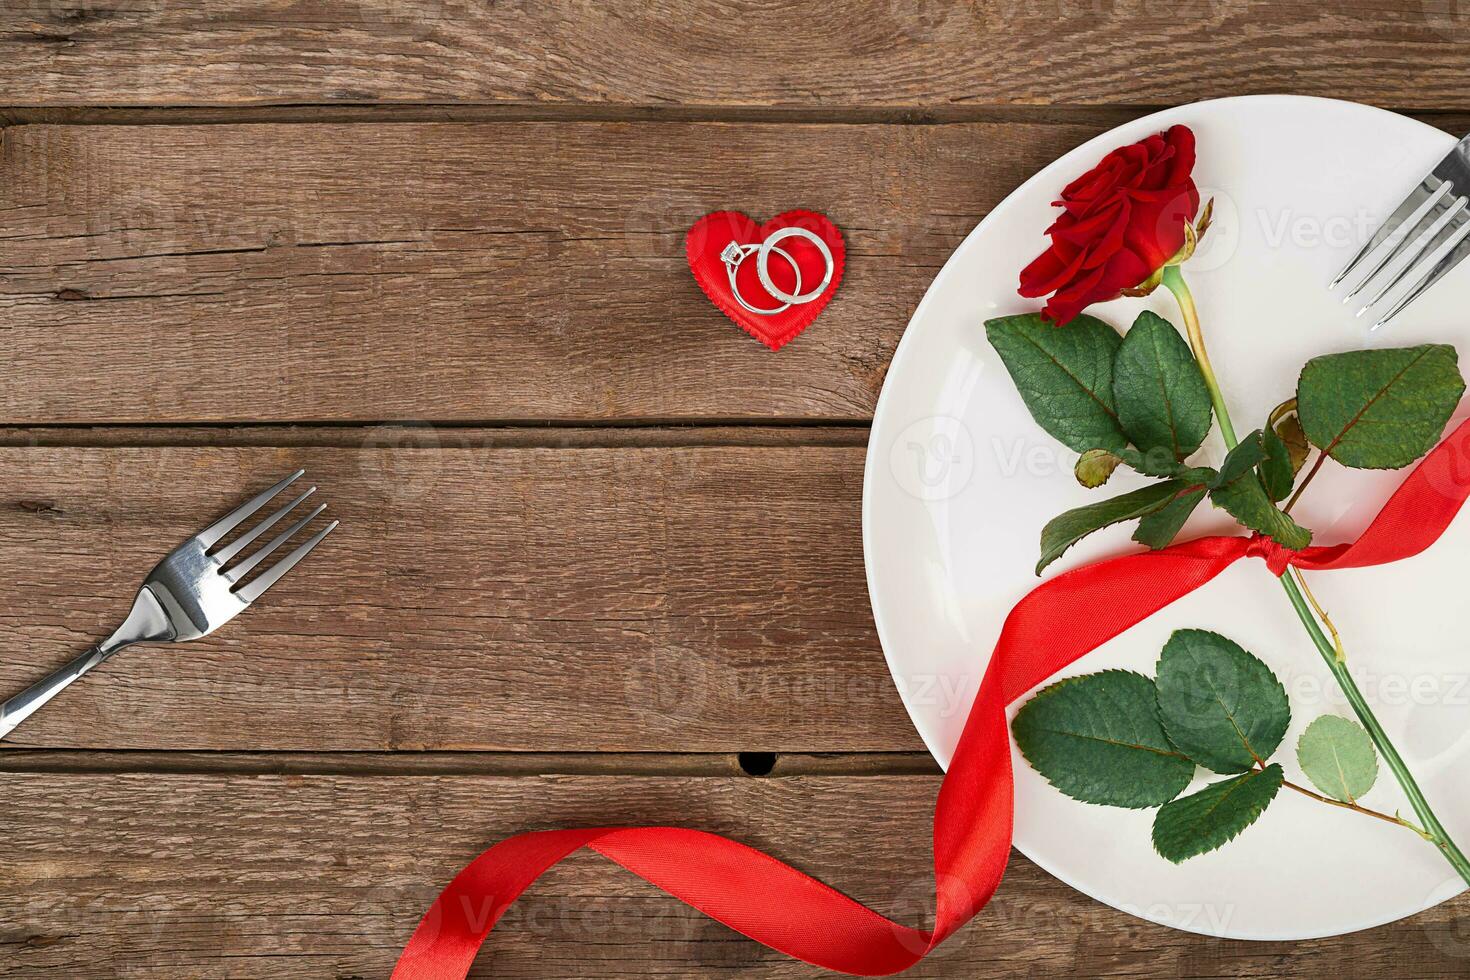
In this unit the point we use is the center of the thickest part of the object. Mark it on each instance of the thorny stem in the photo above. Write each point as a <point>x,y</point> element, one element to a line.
<point>1433,831</point>
<point>1301,580</point>
<point>1438,836</point>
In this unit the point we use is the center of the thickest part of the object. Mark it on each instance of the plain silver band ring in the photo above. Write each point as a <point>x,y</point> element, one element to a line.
<point>762,260</point>
<point>732,268</point>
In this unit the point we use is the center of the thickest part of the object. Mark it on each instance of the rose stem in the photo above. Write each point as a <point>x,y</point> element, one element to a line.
<point>1174,280</point>
<point>1434,831</point>
<point>1301,580</point>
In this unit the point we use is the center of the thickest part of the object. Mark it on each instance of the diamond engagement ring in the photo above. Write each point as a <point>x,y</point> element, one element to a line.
<point>735,253</point>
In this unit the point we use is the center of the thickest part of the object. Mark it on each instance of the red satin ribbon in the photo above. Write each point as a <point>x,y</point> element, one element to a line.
<point>1057,622</point>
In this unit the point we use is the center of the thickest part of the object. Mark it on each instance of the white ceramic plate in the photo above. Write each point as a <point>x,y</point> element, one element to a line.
<point>960,480</point>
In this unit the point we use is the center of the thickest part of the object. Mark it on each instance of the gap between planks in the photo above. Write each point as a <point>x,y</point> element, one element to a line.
<point>722,764</point>
<point>381,113</point>
<point>1101,117</point>
<point>378,436</point>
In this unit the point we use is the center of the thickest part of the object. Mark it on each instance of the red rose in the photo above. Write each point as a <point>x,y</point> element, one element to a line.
<point>1121,222</point>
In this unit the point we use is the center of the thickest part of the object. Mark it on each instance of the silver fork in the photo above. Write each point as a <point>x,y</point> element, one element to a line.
<point>1440,206</point>
<point>194,591</point>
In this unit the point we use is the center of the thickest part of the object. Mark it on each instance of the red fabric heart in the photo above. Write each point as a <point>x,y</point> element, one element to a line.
<point>712,233</point>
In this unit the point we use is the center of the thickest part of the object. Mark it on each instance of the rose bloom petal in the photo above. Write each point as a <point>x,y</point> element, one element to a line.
<point>1051,270</point>
<point>1120,222</point>
<point>1071,300</point>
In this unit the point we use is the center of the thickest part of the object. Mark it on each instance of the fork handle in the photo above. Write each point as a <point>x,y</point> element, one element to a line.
<point>24,704</point>
<point>146,623</point>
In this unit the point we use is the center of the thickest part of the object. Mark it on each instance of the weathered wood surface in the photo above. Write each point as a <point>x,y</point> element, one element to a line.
<point>699,599</point>
<point>287,877</point>
<point>522,271</point>
<point>835,55</point>
<point>354,211</point>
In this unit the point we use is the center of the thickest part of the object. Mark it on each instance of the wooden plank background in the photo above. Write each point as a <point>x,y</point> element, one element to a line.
<point>654,53</point>
<point>487,272</point>
<point>698,598</point>
<point>182,876</point>
<point>600,557</point>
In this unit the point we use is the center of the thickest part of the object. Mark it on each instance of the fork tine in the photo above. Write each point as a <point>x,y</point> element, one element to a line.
<point>1412,209</point>
<point>1395,233</point>
<point>272,575</point>
<point>1443,260</point>
<point>241,570</point>
<point>213,534</point>
<point>224,555</point>
<point>1433,237</point>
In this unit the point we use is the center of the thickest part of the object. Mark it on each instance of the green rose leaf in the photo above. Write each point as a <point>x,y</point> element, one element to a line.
<point>1160,463</point>
<point>1152,462</point>
<point>1338,757</point>
<point>1278,472</point>
<point>1214,816</point>
<point>1095,467</point>
<point>1221,707</point>
<point>1098,739</point>
<point>1240,460</point>
<point>1066,529</point>
<point>1158,529</point>
<point>1162,400</point>
<point>1379,409</point>
<point>1245,500</point>
<point>1064,375</point>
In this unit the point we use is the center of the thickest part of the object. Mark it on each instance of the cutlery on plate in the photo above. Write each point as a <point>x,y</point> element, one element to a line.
<point>1425,237</point>
<point>196,589</point>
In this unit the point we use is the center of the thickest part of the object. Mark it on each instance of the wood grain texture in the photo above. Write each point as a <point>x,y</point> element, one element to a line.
<point>623,608</point>
<point>841,54</point>
<point>316,876</point>
<point>596,599</point>
<point>522,271</point>
<point>467,763</point>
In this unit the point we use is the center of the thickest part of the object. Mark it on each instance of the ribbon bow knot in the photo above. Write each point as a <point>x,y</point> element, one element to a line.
<point>1278,557</point>
<point>1062,619</point>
